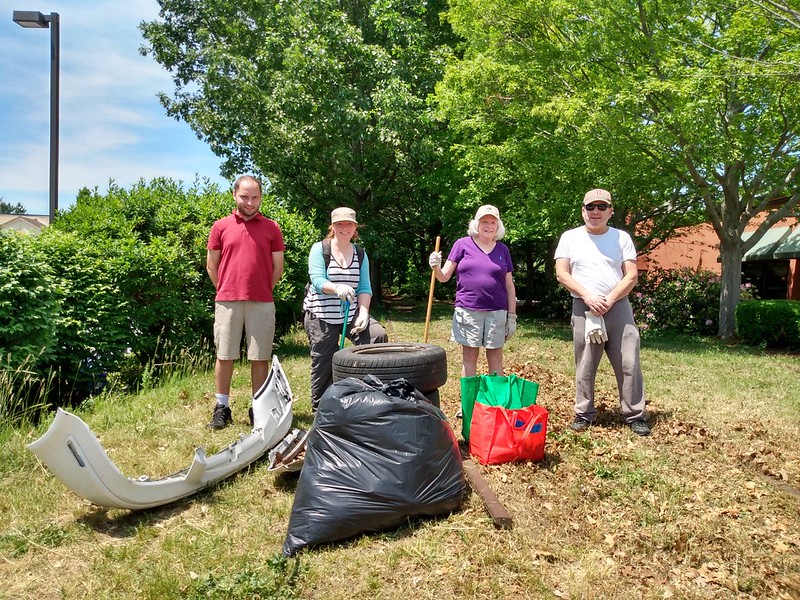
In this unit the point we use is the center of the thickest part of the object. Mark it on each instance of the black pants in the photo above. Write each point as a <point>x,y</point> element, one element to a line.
<point>324,339</point>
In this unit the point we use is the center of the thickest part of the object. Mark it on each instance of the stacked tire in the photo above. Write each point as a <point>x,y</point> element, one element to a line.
<point>423,365</point>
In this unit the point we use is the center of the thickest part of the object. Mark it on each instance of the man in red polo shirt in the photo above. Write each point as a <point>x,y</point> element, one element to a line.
<point>244,262</point>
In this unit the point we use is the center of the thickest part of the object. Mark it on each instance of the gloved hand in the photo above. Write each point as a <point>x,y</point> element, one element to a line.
<point>435,260</point>
<point>362,320</point>
<point>345,293</point>
<point>595,329</point>
<point>511,324</point>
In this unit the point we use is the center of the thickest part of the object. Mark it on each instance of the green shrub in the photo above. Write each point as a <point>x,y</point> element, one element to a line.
<point>117,288</point>
<point>552,300</point>
<point>153,237</point>
<point>29,301</point>
<point>29,307</point>
<point>158,232</point>
<point>772,323</point>
<point>677,300</point>
<point>299,234</point>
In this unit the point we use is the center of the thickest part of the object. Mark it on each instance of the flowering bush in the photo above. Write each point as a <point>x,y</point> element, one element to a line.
<point>679,300</point>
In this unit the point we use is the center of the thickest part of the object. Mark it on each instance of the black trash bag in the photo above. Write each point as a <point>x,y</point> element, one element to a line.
<point>376,455</point>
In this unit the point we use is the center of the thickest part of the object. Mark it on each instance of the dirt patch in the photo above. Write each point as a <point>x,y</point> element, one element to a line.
<point>690,511</point>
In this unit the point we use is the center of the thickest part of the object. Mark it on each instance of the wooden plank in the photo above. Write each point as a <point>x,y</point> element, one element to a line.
<point>500,516</point>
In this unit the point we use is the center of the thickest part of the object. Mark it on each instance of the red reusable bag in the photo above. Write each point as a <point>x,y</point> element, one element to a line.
<point>500,435</point>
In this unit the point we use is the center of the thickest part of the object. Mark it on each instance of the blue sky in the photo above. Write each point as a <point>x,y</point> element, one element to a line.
<point>112,124</point>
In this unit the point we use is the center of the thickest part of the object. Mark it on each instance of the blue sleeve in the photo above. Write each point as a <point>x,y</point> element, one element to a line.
<point>364,286</point>
<point>317,273</point>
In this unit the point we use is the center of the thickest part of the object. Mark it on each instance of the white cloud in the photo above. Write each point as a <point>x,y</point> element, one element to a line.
<point>112,126</point>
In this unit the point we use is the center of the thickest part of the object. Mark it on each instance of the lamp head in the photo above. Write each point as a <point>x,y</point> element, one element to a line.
<point>31,18</point>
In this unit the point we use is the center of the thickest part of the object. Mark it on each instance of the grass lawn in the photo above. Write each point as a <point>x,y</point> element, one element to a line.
<point>708,506</point>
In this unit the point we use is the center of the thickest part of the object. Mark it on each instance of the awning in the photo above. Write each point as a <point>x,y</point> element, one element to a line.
<point>789,247</point>
<point>766,246</point>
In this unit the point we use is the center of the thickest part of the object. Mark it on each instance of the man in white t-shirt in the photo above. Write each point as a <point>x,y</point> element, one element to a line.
<point>597,265</point>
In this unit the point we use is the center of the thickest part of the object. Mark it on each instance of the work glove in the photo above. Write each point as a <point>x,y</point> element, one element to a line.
<point>345,293</point>
<point>435,260</point>
<point>511,325</point>
<point>595,329</point>
<point>362,320</point>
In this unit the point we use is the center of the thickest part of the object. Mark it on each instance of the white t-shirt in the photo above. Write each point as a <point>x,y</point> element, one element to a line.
<point>595,261</point>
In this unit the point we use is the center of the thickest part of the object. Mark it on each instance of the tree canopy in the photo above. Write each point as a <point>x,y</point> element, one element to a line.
<point>11,209</point>
<point>325,98</point>
<point>685,110</point>
<point>673,106</point>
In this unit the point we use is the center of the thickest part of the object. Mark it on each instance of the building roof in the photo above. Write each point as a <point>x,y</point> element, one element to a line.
<point>43,220</point>
<point>789,247</point>
<point>23,223</point>
<point>764,249</point>
<point>27,223</point>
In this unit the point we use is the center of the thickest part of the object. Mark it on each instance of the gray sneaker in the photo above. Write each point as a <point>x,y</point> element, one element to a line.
<point>640,427</point>
<point>580,424</point>
<point>221,417</point>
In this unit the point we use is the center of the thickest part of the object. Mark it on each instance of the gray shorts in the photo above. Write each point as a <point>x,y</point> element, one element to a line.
<point>479,328</point>
<point>258,321</point>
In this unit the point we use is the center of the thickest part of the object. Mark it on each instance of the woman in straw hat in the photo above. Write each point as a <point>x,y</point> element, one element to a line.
<point>339,275</point>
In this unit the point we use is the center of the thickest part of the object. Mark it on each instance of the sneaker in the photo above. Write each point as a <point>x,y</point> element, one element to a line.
<point>221,417</point>
<point>580,424</point>
<point>640,427</point>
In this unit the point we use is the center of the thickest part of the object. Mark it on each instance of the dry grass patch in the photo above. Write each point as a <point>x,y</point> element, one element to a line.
<point>707,507</point>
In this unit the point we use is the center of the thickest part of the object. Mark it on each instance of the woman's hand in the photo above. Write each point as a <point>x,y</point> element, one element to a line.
<point>345,293</point>
<point>511,325</point>
<point>362,320</point>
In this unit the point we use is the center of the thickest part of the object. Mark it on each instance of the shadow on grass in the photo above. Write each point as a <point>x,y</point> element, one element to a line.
<point>414,311</point>
<point>288,346</point>
<point>390,533</point>
<point>696,344</point>
<point>287,482</point>
<point>542,328</point>
<point>613,419</point>
<point>127,523</point>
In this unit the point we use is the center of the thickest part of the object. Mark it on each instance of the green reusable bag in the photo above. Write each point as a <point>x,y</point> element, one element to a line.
<point>508,391</point>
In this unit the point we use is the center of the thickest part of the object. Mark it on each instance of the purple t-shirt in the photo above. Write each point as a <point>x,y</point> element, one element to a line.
<point>481,277</point>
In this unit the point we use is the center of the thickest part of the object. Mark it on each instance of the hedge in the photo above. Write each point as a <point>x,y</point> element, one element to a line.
<point>772,323</point>
<point>116,289</point>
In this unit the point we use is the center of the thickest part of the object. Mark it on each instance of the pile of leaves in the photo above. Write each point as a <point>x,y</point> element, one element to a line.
<point>688,512</point>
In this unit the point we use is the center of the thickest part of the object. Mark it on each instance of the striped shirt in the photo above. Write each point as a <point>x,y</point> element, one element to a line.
<point>329,307</point>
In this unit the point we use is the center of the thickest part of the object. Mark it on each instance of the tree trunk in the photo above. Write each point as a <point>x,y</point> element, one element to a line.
<point>375,281</point>
<point>529,273</point>
<point>731,287</point>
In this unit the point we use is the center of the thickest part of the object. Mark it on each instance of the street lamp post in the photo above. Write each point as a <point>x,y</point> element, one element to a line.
<point>36,20</point>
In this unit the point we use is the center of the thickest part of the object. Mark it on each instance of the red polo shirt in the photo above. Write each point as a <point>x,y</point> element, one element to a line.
<point>245,268</point>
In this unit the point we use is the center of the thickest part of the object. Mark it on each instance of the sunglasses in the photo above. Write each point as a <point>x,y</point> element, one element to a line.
<point>601,206</point>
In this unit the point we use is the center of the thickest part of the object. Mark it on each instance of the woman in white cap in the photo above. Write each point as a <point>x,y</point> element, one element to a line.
<point>486,300</point>
<point>339,275</point>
